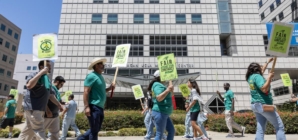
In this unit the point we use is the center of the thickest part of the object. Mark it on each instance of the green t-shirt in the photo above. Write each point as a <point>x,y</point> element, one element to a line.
<point>97,95</point>
<point>195,97</point>
<point>58,96</point>
<point>165,106</point>
<point>44,79</point>
<point>11,105</point>
<point>229,95</point>
<point>256,82</point>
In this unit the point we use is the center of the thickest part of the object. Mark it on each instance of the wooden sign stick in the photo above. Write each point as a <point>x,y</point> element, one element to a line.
<point>274,62</point>
<point>114,81</point>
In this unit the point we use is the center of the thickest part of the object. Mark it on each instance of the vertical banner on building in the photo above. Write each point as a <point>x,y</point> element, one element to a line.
<point>45,47</point>
<point>286,79</point>
<point>184,90</point>
<point>137,92</point>
<point>280,40</point>
<point>167,67</point>
<point>14,92</point>
<point>66,95</point>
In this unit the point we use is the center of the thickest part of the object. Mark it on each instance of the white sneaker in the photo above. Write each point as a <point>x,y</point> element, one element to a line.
<point>243,130</point>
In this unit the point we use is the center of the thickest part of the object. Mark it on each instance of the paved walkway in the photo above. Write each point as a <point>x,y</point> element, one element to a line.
<point>213,135</point>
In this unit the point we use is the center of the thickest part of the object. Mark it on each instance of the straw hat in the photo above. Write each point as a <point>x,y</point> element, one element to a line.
<point>95,61</point>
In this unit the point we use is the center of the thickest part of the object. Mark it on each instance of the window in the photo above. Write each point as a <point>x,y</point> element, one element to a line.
<point>138,18</point>
<point>223,5</point>
<point>160,45</point>
<point>179,1</point>
<point>1,41</point>
<point>294,6</point>
<point>26,77</point>
<point>274,19</point>
<point>271,7</point>
<point>260,3</point>
<point>154,1</point>
<point>262,16</point>
<point>179,71</point>
<point>14,48</point>
<point>25,87</point>
<point>293,51</point>
<point>195,1</point>
<point>7,44</point>
<point>2,71</point>
<point>265,40</point>
<point>9,32</point>
<point>6,88</point>
<point>136,42</point>
<point>281,91</point>
<point>112,18</point>
<point>28,67</point>
<point>96,18</point>
<point>4,57</point>
<point>278,2</point>
<point>223,47</point>
<point>8,74</point>
<point>196,18</point>
<point>97,1</point>
<point>34,68</point>
<point>16,36</point>
<point>12,87</point>
<point>154,18</point>
<point>3,27</point>
<point>180,18</point>
<point>281,16</point>
<point>0,86</point>
<point>11,61</point>
<point>125,72</point>
<point>113,1</point>
<point>139,1</point>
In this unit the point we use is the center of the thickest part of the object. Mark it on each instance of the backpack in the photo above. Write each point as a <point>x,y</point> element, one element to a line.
<point>149,102</point>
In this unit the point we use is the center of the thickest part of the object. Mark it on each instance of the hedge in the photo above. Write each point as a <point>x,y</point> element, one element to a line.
<point>18,118</point>
<point>15,133</point>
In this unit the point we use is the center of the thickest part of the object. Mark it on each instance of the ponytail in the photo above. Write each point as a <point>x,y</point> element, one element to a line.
<point>195,86</point>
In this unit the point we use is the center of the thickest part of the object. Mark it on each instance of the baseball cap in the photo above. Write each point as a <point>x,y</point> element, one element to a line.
<point>156,73</point>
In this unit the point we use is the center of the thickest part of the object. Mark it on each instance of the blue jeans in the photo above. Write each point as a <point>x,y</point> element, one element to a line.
<point>201,124</point>
<point>163,122</point>
<point>262,118</point>
<point>188,130</point>
<point>95,121</point>
<point>65,125</point>
<point>149,124</point>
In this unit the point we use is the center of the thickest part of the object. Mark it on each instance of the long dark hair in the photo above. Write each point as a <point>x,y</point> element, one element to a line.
<point>253,68</point>
<point>156,79</point>
<point>195,85</point>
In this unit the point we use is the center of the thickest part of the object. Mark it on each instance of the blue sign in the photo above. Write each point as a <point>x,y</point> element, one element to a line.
<point>294,41</point>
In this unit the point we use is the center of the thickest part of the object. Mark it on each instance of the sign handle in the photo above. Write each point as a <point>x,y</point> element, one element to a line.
<point>141,101</point>
<point>114,81</point>
<point>273,66</point>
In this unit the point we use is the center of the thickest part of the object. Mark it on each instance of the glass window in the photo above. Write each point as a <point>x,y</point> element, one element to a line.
<point>262,16</point>
<point>113,1</point>
<point>28,67</point>
<point>195,1</point>
<point>223,5</point>
<point>6,87</point>
<point>34,68</point>
<point>274,19</point>
<point>139,1</point>
<point>154,1</point>
<point>224,16</point>
<point>96,18</point>
<point>260,3</point>
<point>16,36</point>
<point>154,18</point>
<point>225,27</point>
<point>112,18</point>
<point>0,85</point>
<point>281,16</point>
<point>8,74</point>
<point>26,77</point>
<point>9,32</point>
<point>196,18</point>
<point>180,18</point>
<point>136,42</point>
<point>1,41</point>
<point>97,1</point>
<point>294,6</point>
<point>168,44</point>
<point>3,27</point>
<point>7,44</point>
<point>4,58</point>
<point>179,1</point>
<point>11,61</point>
<point>138,18</point>
<point>2,71</point>
<point>25,87</point>
<point>278,2</point>
<point>12,87</point>
<point>14,48</point>
<point>271,7</point>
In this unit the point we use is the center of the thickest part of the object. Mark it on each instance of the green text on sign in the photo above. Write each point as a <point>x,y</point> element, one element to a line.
<point>167,67</point>
<point>286,79</point>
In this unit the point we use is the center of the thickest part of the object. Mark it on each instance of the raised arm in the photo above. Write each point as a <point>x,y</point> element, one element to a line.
<point>32,82</point>
<point>266,64</point>
<point>219,95</point>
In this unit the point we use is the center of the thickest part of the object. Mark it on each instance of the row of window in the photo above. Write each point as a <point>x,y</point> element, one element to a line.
<point>6,87</point>
<point>33,67</point>
<point>281,14</point>
<point>281,91</point>
<point>153,18</point>
<point>278,2</point>
<point>2,73</point>
<point>5,57</point>
<point>7,45</point>
<point>293,51</point>
<point>151,1</point>
<point>9,31</point>
<point>132,72</point>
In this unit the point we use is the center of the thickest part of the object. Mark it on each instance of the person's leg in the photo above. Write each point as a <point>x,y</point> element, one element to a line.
<point>201,124</point>
<point>27,133</point>
<point>54,128</point>
<point>228,119</point>
<point>261,126</point>
<point>150,132</point>
<point>170,128</point>
<point>10,124</point>
<point>187,127</point>
<point>147,123</point>
<point>95,121</point>
<point>74,127</point>
<point>37,123</point>
<point>236,125</point>
<point>65,127</point>
<point>276,121</point>
<point>160,123</point>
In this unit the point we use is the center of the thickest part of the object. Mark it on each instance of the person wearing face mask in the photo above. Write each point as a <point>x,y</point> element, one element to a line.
<point>94,98</point>
<point>229,111</point>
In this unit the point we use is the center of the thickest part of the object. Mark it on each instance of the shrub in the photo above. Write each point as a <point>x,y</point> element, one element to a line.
<point>15,133</point>
<point>18,118</point>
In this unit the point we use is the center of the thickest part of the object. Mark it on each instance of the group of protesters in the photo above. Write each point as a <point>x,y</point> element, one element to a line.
<point>42,104</point>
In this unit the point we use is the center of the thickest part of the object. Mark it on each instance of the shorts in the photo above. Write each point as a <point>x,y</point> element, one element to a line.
<point>194,116</point>
<point>7,122</point>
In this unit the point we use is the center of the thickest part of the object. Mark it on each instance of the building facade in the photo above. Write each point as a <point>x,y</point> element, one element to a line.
<point>208,36</point>
<point>10,36</point>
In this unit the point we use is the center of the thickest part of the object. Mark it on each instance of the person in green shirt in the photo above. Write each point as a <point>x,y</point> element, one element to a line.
<point>260,96</point>
<point>229,112</point>
<point>94,98</point>
<point>9,114</point>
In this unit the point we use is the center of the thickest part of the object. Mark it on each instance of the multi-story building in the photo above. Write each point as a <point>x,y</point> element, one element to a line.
<point>206,36</point>
<point>10,36</point>
<point>281,11</point>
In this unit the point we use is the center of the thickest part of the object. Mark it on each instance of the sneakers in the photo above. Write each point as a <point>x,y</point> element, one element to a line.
<point>243,130</point>
<point>203,137</point>
<point>9,136</point>
<point>230,136</point>
<point>188,137</point>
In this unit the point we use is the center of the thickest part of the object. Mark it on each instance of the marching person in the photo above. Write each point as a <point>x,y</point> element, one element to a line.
<point>229,111</point>
<point>162,107</point>
<point>9,114</point>
<point>194,109</point>
<point>188,129</point>
<point>260,96</point>
<point>94,98</point>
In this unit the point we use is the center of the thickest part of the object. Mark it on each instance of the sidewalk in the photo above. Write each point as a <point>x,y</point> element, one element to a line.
<point>213,135</point>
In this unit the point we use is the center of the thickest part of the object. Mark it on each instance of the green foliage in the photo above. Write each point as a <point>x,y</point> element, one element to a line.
<point>15,133</point>
<point>288,106</point>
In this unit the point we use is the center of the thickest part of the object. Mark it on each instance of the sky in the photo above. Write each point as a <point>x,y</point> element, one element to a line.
<point>33,17</point>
